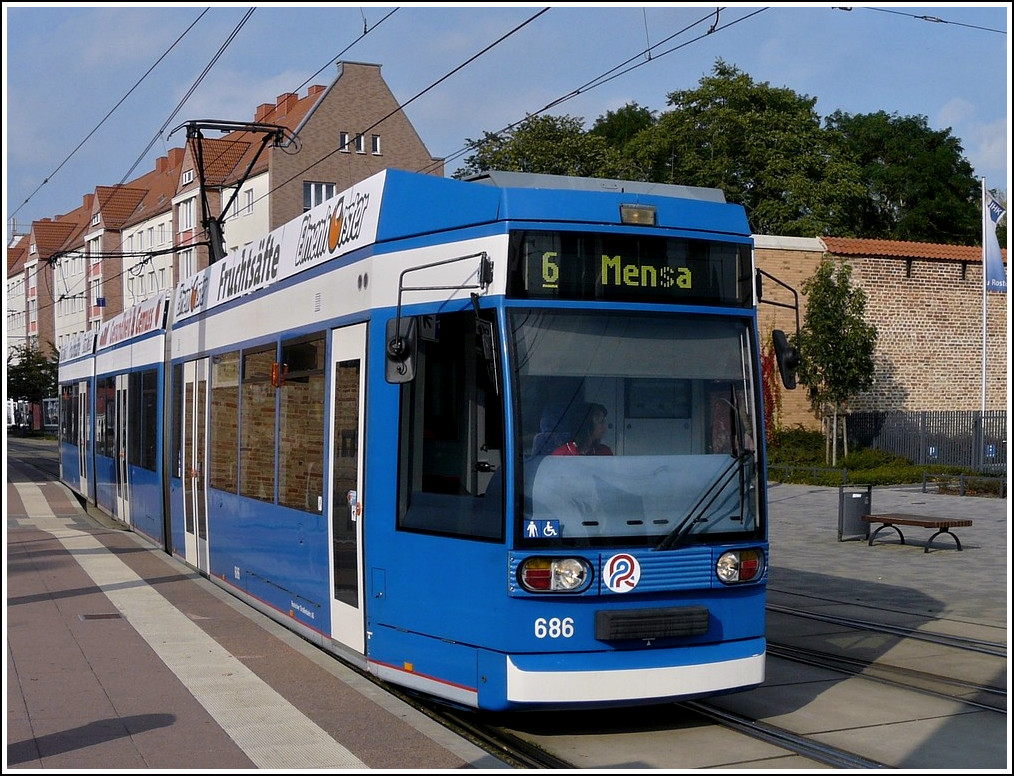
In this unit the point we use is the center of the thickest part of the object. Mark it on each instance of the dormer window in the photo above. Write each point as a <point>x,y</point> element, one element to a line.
<point>95,220</point>
<point>188,177</point>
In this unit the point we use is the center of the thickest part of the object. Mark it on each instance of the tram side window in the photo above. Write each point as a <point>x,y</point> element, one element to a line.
<point>223,467</point>
<point>105,416</point>
<point>451,435</point>
<point>257,426</point>
<point>68,413</point>
<point>177,421</point>
<point>143,419</point>
<point>301,425</point>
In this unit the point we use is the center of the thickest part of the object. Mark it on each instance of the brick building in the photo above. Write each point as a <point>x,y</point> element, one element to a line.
<point>926,301</point>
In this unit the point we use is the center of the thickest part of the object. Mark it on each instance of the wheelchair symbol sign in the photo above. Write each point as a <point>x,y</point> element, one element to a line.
<point>542,529</point>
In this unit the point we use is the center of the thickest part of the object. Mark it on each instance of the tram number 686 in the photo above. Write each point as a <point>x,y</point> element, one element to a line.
<point>554,628</point>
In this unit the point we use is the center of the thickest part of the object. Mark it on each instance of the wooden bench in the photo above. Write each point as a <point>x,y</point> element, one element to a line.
<point>943,526</point>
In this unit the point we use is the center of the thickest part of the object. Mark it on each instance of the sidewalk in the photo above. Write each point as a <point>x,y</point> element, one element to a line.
<point>119,657</point>
<point>972,584</point>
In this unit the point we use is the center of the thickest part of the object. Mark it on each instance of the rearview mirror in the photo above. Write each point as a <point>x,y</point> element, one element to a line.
<point>787,358</point>
<point>400,348</point>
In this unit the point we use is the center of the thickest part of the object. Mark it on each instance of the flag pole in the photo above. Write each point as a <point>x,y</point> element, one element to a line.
<point>983,199</point>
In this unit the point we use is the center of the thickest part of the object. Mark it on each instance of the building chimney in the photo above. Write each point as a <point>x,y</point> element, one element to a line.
<point>264,110</point>
<point>286,102</point>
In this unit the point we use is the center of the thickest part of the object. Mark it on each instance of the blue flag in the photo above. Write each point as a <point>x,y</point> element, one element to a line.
<point>993,273</point>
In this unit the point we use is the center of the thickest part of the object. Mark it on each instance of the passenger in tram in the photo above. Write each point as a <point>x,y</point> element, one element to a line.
<point>588,437</point>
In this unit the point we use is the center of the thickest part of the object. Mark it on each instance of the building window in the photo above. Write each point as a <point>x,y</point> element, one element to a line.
<point>360,144</point>
<point>187,267</point>
<point>161,234</point>
<point>185,215</point>
<point>248,201</point>
<point>188,177</point>
<point>31,248</point>
<point>95,220</point>
<point>343,142</point>
<point>315,193</point>
<point>375,144</point>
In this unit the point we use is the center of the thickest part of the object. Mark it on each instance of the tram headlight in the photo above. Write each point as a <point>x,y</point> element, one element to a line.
<point>554,575</point>
<point>740,565</point>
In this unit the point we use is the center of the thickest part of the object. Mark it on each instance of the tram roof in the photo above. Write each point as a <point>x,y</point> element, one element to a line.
<point>530,180</point>
<point>415,203</point>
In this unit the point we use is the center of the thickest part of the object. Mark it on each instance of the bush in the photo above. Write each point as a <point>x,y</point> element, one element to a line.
<point>797,456</point>
<point>870,458</point>
<point>796,446</point>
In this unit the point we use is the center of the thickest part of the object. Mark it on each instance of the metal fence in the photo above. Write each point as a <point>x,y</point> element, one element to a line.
<point>973,439</point>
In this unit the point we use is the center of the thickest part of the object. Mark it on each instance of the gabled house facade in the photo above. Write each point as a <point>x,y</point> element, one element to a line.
<point>16,320</point>
<point>47,240</point>
<point>334,136</point>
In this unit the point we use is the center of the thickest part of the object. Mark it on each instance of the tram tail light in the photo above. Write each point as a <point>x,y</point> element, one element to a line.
<point>738,566</point>
<point>554,575</point>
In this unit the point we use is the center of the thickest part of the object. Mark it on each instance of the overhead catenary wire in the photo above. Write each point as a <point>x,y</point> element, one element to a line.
<point>112,110</point>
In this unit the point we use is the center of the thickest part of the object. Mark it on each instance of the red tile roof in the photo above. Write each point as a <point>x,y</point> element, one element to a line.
<point>900,249</point>
<point>52,236</point>
<point>16,255</point>
<point>117,204</point>
<point>222,156</point>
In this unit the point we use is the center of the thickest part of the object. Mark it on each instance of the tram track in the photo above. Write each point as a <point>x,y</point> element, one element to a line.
<point>988,697</point>
<point>793,742</point>
<point>959,642</point>
<point>958,663</point>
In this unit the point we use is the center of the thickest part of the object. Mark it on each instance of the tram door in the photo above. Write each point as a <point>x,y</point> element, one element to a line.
<point>194,469</point>
<point>120,453</point>
<point>84,425</point>
<point>347,511</point>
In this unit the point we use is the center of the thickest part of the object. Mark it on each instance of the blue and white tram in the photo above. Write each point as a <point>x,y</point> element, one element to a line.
<point>111,416</point>
<point>376,423</point>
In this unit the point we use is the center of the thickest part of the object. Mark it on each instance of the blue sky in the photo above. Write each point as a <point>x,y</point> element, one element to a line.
<point>81,108</point>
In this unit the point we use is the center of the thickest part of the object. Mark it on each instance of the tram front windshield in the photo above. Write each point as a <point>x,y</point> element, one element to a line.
<point>635,429</point>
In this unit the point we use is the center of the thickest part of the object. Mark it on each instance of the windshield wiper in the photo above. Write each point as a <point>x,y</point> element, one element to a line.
<point>697,513</point>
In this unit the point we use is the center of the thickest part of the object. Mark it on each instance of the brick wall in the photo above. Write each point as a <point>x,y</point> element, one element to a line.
<point>928,314</point>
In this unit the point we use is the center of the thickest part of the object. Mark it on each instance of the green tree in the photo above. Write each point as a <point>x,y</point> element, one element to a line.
<point>621,126</point>
<point>31,374</point>
<point>763,146</point>
<point>551,145</point>
<point>836,345</point>
<point>919,186</point>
